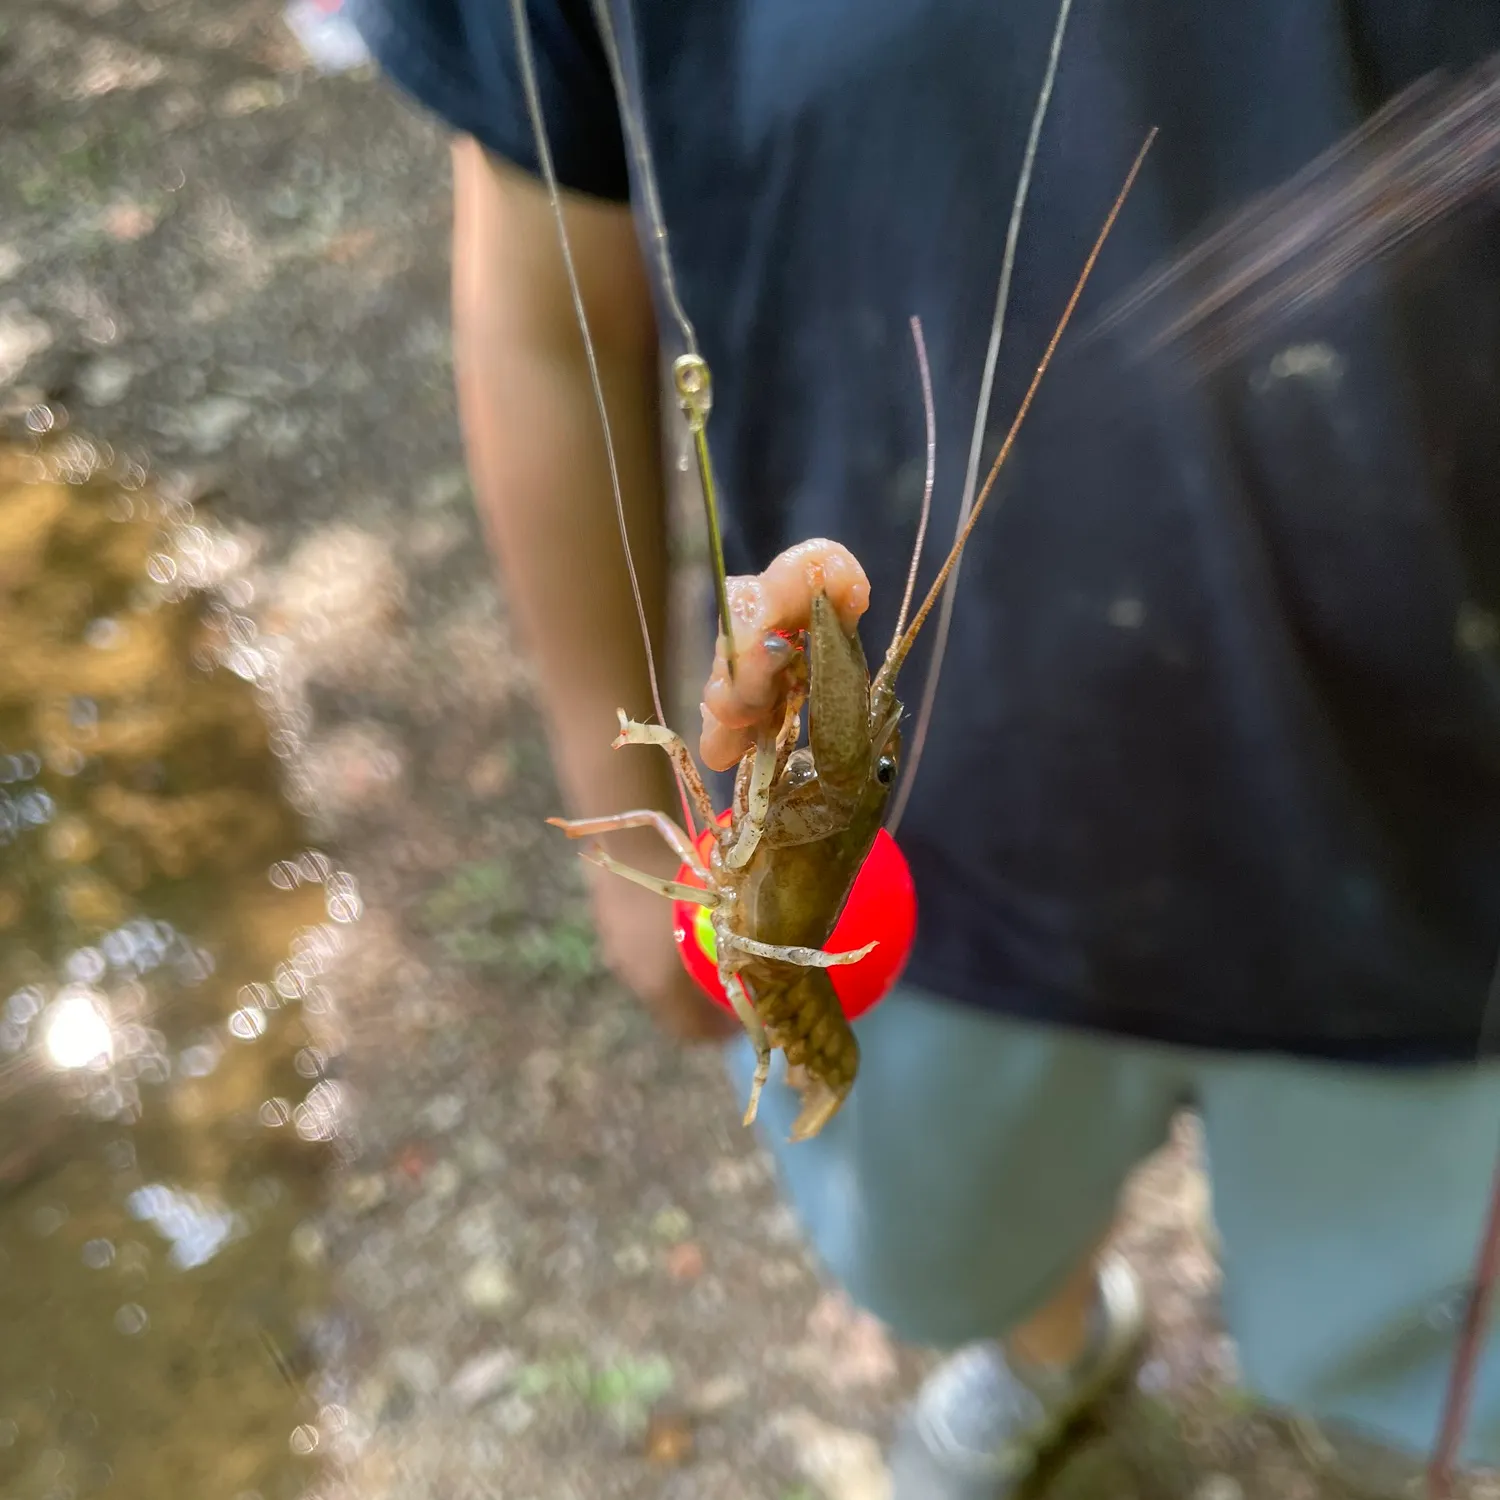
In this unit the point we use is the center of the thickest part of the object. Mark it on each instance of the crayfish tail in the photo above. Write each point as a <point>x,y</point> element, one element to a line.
<point>820,1104</point>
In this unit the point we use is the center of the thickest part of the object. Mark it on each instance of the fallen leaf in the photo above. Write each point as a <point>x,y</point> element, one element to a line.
<point>669,1438</point>
<point>685,1261</point>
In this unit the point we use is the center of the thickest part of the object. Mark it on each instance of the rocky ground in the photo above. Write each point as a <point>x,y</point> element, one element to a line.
<point>565,1271</point>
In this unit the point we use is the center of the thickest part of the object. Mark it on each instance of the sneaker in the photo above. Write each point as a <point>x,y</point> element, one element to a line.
<point>982,1421</point>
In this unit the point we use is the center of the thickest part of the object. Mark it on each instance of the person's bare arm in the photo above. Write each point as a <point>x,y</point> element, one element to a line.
<point>541,479</point>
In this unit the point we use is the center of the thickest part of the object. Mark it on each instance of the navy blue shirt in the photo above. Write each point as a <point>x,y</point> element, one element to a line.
<point>1216,754</point>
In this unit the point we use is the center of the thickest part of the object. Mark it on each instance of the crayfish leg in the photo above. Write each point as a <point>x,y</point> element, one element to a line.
<point>758,800</point>
<point>744,1008</point>
<point>633,733</point>
<point>675,838</point>
<point>674,890</point>
<point>806,958</point>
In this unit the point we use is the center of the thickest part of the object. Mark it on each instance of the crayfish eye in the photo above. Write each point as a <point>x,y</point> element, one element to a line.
<point>885,770</point>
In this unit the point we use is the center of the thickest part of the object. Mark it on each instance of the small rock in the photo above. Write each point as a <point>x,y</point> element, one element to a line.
<point>684,1262</point>
<point>781,1226</point>
<point>514,1415</point>
<point>731,1175</point>
<point>442,1113</point>
<point>282,432</point>
<point>479,1154</point>
<point>671,1224</point>
<point>128,221</point>
<point>718,1394</point>
<point>251,95</point>
<point>488,1286</point>
<point>432,538</point>
<point>355,766</point>
<point>102,382</point>
<point>361,1192</point>
<point>448,487</point>
<point>489,775</point>
<point>632,1260</point>
<point>208,425</point>
<point>842,1463</point>
<point>339,597</point>
<point>847,1348</point>
<point>443,1180</point>
<point>21,336</point>
<point>482,1378</point>
<point>1220,1487</point>
<point>781,1272</point>
<point>308,1245</point>
<point>540,1071</point>
<point>475,1232</point>
<point>417,1368</point>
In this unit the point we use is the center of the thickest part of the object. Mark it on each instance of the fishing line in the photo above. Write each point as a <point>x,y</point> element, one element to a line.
<point>549,174</point>
<point>981,417</point>
<point>690,373</point>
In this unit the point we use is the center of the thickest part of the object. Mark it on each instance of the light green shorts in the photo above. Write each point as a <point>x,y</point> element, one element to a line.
<point>978,1159</point>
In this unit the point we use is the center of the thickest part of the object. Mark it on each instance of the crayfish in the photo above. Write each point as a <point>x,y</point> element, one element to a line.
<point>803,818</point>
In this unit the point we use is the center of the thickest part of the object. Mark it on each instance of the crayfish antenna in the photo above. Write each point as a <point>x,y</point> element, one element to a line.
<point>883,687</point>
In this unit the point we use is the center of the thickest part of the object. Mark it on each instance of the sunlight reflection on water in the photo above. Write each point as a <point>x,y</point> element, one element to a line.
<point>165,936</point>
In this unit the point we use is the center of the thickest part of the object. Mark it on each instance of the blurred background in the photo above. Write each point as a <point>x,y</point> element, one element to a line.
<point>331,1162</point>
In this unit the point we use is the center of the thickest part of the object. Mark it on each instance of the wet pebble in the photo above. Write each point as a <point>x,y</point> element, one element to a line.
<point>846,1348</point>
<point>488,1286</point>
<point>479,1154</point>
<point>443,1113</point>
<point>362,1192</point>
<point>482,1378</point>
<point>731,1175</point>
<point>780,1225</point>
<point>443,1180</point>
<point>718,1394</point>
<point>356,766</point>
<point>514,1415</point>
<point>128,221</point>
<point>207,426</point>
<point>417,1368</point>
<point>671,1224</point>
<point>1220,1487</point>
<point>21,337</point>
<point>102,382</point>
<point>632,1260</point>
